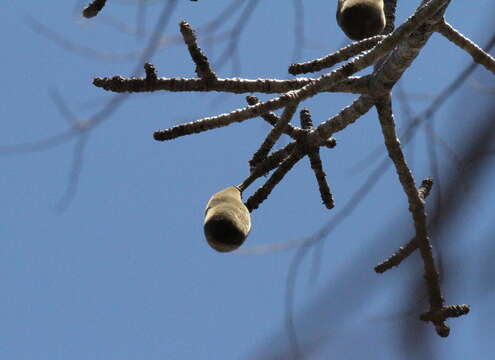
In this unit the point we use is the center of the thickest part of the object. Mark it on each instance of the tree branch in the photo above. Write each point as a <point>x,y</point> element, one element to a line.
<point>478,55</point>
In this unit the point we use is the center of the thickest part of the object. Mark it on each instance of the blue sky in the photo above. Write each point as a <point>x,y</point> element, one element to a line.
<point>124,271</point>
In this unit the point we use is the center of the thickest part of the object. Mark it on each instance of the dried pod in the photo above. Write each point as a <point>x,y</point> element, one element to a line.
<point>227,220</point>
<point>360,19</point>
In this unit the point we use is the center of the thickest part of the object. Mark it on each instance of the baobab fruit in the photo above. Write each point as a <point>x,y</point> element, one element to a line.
<point>360,19</point>
<point>227,220</point>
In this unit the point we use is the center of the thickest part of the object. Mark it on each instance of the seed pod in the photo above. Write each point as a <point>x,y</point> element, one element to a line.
<point>360,19</point>
<point>227,220</point>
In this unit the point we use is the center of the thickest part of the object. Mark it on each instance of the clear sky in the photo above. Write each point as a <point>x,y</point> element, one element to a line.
<point>124,271</point>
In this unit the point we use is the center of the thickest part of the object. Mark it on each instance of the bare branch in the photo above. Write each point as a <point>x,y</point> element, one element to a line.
<point>388,72</point>
<point>332,59</point>
<point>267,165</point>
<point>436,104</point>
<point>235,85</point>
<point>316,165</point>
<point>437,312</point>
<point>408,249</point>
<point>225,119</point>
<point>203,68</point>
<point>347,116</point>
<point>262,193</point>
<point>273,135</point>
<point>306,91</point>
<point>315,159</point>
<point>389,8</point>
<point>273,118</point>
<point>478,55</point>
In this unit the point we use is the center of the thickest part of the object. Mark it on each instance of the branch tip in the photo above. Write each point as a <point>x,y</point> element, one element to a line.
<point>150,70</point>
<point>203,68</point>
<point>439,317</point>
<point>93,8</point>
<point>425,188</point>
<point>305,119</point>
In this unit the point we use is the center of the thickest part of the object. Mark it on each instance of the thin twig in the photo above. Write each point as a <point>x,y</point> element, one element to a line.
<point>334,58</point>
<point>313,153</point>
<point>122,84</point>
<point>203,68</point>
<point>273,118</point>
<point>479,56</point>
<point>316,165</point>
<point>267,165</point>
<point>416,206</point>
<point>262,193</point>
<point>408,249</point>
<point>389,8</point>
<point>273,135</point>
